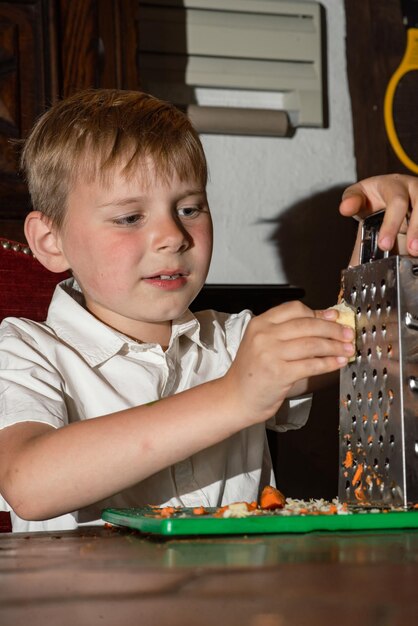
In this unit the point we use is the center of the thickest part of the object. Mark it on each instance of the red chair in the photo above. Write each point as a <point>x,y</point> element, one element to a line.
<point>26,288</point>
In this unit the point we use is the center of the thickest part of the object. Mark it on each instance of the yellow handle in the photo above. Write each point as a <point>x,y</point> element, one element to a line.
<point>409,62</point>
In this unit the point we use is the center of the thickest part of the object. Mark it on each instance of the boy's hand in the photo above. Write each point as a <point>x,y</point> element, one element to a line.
<point>398,194</point>
<point>282,347</point>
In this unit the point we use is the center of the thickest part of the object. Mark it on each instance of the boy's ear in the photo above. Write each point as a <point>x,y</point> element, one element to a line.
<point>44,241</point>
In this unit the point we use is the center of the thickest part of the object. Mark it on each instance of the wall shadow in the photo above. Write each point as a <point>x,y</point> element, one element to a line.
<point>314,243</point>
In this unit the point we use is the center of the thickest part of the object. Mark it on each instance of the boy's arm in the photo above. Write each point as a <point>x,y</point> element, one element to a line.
<point>45,472</point>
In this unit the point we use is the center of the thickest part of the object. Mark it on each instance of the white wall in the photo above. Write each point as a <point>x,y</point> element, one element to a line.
<point>271,197</point>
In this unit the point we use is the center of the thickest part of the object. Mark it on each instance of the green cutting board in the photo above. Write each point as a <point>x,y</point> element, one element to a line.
<point>183,522</point>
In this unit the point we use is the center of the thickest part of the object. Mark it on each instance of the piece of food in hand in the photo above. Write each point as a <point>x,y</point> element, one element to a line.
<point>346,317</point>
<point>271,499</point>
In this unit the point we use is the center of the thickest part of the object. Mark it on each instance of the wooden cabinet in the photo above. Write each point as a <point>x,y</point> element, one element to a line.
<point>49,49</point>
<point>375,44</point>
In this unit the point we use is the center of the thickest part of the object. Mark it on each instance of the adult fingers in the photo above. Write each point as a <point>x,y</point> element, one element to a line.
<point>398,194</point>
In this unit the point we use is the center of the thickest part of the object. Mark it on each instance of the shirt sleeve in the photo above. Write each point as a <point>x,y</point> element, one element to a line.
<point>292,414</point>
<point>30,388</point>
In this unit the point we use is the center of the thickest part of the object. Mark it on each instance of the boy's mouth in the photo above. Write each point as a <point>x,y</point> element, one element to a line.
<point>168,280</point>
<point>167,276</point>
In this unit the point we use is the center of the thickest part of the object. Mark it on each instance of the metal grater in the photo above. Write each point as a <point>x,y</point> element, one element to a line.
<point>379,389</point>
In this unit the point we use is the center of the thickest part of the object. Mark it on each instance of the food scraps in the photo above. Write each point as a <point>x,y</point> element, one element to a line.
<point>272,502</point>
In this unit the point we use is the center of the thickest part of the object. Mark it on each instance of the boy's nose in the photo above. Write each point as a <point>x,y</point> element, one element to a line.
<point>171,235</point>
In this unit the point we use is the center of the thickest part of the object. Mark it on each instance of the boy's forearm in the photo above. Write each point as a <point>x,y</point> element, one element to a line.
<point>58,471</point>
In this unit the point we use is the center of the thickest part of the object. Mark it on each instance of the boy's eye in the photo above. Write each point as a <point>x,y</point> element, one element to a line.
<point>188,211</point>
<point>127,220</point>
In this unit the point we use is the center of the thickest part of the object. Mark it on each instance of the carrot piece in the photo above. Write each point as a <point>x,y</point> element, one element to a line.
<point>360,495</point>
<point>348,461</point>
<point>167,511</point>
<point>199,510</point>
<point>271,498</point>
<point>357,475</point>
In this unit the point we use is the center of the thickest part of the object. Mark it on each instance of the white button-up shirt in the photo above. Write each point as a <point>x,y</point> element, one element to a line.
<point>73,367</point>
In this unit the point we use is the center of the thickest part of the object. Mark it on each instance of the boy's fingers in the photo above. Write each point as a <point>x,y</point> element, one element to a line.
<point>314,347</point>
<point>315,366</point>
<point>287,311</point>
<point>314,328</point>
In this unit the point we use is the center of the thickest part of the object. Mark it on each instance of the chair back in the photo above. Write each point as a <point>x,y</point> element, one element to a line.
<point>26,286</point>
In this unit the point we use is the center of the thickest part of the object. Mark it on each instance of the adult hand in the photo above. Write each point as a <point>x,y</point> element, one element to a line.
<point>398,195</point>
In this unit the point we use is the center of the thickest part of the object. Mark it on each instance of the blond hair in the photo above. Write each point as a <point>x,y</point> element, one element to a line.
<point>92,132</point>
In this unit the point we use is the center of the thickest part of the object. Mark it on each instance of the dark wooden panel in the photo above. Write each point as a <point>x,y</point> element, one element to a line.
<point>375,45</point>
<point>27,81</point>
<point>98,44</point>
<point>48,50</point>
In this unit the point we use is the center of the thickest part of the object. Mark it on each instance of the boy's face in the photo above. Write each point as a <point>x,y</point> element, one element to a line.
<point>140,251</point>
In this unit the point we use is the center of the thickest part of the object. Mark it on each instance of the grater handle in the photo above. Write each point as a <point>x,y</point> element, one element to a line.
<point>369,250</point>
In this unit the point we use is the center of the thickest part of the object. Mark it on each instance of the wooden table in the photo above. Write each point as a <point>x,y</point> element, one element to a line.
<point>99,576</point>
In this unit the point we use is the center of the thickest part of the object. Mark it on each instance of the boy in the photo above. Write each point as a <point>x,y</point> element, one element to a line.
<point>123,397</point>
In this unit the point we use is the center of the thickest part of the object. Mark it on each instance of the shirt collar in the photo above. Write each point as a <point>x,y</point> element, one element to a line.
<point>95,341</point>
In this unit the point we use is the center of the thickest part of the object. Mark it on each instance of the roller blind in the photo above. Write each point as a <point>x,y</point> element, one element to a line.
<point>235,48</point>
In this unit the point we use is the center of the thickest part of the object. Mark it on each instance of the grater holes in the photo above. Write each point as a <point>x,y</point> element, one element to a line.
<point>354,378</point>
<point>389,350</point>
<point>369,354</point>
<point>364,377</point>
<point>369,398</point>
<point>374,331</point>
<point>368,311</point>
<point>374,375</point>
<point>384,330</point>
<point>382,287</point>
<point>378,308</point>
<point>375,464</point>
<point>380,441</point>
<point>375,420</point>
<point>363,291</point>
<point>354,422</point>
<point>391,396</point>
<point>387,464</point>
<point>370,441</point>
<point>364,420</point>
<point>358,311</point>
<point>373,290</point>
<point>353,294</point>
<point>385,420</point>
<point>392,441</point>
<point>363,334</point>
<point>380,398</point>
<point>347,402</point>
<point>388,307</point>
<point>385,373</point>
<point>359,400</point>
